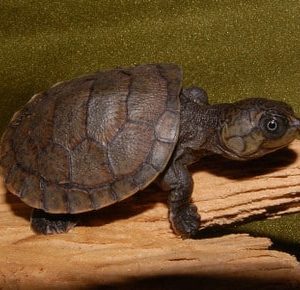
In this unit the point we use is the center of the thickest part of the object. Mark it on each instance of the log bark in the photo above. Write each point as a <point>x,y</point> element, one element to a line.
<point>130,244</point>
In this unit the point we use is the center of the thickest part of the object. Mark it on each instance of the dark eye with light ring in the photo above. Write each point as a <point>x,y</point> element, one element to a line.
<point>273,126</point>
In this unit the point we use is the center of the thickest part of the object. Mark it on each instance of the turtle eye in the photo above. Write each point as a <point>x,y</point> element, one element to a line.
<point>274,126</point>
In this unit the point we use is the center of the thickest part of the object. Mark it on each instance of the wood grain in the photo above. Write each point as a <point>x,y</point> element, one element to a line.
<point>131,246</point>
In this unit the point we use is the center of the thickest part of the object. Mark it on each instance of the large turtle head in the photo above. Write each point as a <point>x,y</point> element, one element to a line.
<point>254,127</point>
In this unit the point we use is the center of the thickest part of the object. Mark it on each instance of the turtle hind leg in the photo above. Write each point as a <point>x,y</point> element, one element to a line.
<point>47,224</point>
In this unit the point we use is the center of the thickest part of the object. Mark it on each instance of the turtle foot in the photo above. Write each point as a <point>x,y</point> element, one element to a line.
<point>185,221</point>
<point>47,224</point>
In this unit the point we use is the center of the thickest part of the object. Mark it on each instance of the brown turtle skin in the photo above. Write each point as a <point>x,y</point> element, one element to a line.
<point>90,142</point>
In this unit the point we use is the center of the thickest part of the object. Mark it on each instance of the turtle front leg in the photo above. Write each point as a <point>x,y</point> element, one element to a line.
<point>47,224</point>
<point>183,214</point>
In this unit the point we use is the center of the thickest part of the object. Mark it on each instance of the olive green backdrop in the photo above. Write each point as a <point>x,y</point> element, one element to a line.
<point>234,49</point>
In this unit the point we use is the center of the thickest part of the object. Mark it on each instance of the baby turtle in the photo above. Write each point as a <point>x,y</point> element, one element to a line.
<point>95,140</point>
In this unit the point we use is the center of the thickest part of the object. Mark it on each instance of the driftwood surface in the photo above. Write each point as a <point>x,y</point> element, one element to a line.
<point>131,245</point>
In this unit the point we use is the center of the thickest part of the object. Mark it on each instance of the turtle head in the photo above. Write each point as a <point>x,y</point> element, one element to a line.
<point>254,127</point>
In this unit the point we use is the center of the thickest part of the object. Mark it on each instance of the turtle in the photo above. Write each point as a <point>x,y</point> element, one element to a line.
<point>95,140</point>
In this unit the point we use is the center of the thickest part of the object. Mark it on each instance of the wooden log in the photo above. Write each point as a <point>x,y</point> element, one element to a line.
<point>131,245</point>
<point>266,187</point>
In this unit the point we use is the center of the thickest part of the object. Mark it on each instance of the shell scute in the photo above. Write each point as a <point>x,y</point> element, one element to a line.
<point>54,163</point>
<point>128,150</point>
<point>89,165</point>
<point>106,111</point>
<point>142,97</point>
<point>70,116</point>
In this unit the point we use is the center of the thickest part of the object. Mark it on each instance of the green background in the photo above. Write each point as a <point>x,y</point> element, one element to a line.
<point>234,49</point>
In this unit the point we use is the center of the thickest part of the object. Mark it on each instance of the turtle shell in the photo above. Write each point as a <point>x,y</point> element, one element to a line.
<point>94,140</point>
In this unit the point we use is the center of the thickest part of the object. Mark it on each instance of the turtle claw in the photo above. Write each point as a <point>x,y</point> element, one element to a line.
<point>47,224</point>
<point>185,221</point>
